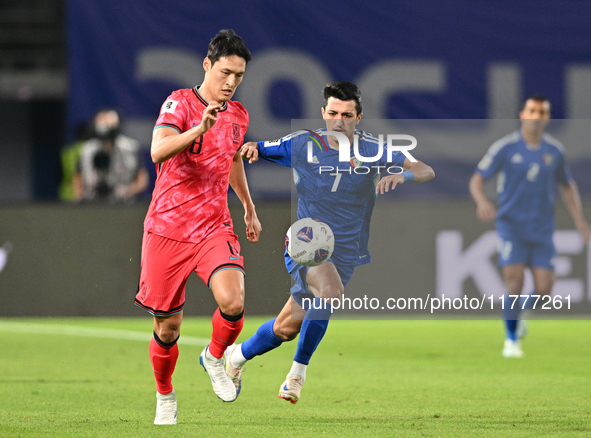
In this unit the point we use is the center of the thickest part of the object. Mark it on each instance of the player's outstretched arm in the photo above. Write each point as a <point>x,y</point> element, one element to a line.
<point>485,210</point>
<point>250,151</point>
<point>572,199</point>
<point>412,171</point>
<point>240,186</point>
<point>167,142</point>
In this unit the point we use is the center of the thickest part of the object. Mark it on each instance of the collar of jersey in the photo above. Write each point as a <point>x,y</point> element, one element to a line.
<point>205,102</point>
<point>323,130</point>
<point>529,146</point>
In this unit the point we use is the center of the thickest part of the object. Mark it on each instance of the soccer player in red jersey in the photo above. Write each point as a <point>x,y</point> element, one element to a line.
<point>188,227</point>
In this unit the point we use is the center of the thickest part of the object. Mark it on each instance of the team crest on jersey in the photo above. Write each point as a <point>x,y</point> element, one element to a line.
<point>355,163</point>
<point>235,133</point>
<point>548,159</point>
<point>169,106</point>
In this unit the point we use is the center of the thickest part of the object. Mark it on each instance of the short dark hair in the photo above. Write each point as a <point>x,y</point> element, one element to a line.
<point>227,43</point>
<point>343,91</point>
<point>535,97</point>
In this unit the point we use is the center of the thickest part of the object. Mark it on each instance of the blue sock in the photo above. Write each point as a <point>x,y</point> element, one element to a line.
<point>262,341</point>
<point>511,315</point>
<point>511,310</point>
<point>313,328</point>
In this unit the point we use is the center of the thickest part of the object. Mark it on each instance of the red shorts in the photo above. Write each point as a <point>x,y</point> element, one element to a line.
<point>167,264</point>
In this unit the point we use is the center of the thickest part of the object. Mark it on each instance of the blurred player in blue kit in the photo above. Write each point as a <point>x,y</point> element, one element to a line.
<point>341,194</point>
<point>529,164</point>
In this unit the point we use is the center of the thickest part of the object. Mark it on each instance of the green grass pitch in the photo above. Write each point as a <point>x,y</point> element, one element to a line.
<point>92,378</point>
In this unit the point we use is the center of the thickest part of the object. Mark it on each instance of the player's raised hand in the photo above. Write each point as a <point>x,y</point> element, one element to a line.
<point>210,116</point>
<point>250,151</point>
<point>388,182</point>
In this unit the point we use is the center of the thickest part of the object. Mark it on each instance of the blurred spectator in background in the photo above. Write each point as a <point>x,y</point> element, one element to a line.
<point>69,158</point>
<point>110,166</point>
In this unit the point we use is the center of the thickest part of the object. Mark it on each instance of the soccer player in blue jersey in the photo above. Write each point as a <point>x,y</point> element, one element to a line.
<point>529,164</point>
<point>341,194</point>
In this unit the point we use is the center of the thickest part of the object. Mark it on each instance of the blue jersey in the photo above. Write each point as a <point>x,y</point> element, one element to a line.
<point>341,194</point>
<point>526,184</point>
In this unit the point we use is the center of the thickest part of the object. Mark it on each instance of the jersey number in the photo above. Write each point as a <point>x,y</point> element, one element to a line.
<point>337,179</point>
<point>199,143</point>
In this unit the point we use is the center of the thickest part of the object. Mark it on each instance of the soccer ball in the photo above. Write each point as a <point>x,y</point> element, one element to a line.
<point>309,242</point>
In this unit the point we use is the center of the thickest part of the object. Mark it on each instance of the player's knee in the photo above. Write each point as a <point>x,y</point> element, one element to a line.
<point>167,329</point>
<point>544,289</point>
<point>233,308</point>
<point>232,302</point>
<point>331,292</point>
<point>233,305</point>
<point>514,283</point>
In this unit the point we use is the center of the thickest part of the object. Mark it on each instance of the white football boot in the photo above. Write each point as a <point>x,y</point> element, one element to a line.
<point>222,385</point>
<point>291,388</point>
<point>165,408</point>
<point>512,349</point>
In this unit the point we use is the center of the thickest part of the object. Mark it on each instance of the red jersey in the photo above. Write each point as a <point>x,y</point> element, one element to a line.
<point>190,198</point>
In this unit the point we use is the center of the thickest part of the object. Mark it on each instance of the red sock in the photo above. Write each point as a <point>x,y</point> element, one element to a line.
<point>163,363</point>
<point>224,333</point>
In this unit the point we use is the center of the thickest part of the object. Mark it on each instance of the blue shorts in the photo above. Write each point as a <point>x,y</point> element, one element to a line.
<point>298,272</point>
<point>513,250</point>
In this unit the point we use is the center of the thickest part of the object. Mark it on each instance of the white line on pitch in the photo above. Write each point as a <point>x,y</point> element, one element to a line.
<point>89,332</point>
